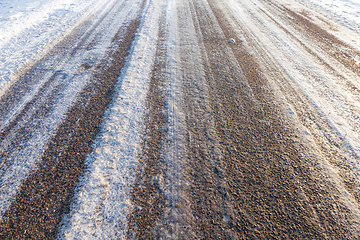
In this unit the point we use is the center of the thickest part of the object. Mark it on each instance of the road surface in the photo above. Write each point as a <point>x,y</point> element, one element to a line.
<point>160,119</point>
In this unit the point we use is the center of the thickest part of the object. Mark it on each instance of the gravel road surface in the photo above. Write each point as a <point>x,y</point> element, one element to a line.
<point>187,119</point>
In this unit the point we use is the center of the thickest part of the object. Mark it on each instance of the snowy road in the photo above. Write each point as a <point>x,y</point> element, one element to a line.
<point>141,119</point>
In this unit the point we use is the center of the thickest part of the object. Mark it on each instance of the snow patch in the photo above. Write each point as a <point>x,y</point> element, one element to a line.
<point>15,167</point>
<point>339,17</point>
<point>29,28</point>
<point>102,201</point>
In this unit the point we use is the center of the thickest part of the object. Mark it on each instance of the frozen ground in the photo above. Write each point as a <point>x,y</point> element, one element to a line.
<point>62,75</point>
<point>296,60</point>
<point>341,18</point>
<point>105,189</point>
<point>346,11</point>
<point>258,137</point>
<point>29,28</point>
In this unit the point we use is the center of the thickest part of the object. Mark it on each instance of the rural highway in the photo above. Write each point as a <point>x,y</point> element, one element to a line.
<point>185,119</point>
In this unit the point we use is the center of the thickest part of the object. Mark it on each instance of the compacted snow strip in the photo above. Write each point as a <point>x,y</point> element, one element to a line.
<point>345,11</point>
<point>338,17</point>
<point>29,29</point>
<point>310,78</point>
<point>176,153</point>
<point>309,75</point>
<point>16,167</point>
<point>19,16</point>
<point>102,200</point>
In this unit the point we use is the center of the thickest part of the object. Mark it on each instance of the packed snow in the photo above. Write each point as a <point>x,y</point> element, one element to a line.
<point>339,17</point>
<point>29,28</point>
<point>346,11</point>
<point>102,199</point>
<point>104,15</point>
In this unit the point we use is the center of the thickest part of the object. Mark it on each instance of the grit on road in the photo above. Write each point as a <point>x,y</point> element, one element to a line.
<point>184,119</point>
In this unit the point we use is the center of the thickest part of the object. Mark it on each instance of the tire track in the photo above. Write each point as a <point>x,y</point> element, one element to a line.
<point>210,212</point>
<point>147,195</point>
<point>338,157</point>
<point>30,118</point>
<point>45,195</point>
<point>103,195</point>
<point>270,186</point>
<point>332,45</point>
<point>336,161</point>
